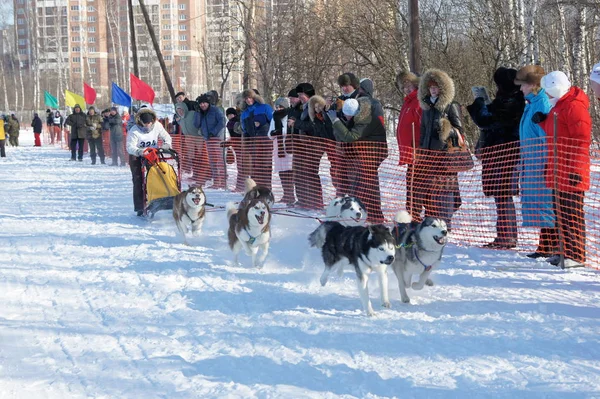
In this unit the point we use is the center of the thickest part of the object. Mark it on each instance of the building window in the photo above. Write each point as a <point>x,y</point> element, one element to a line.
<point>92,60</point>
<point>183,47</point>
<point>168,47</point>
<point>75,39</point>
<point>92,39</point>
<point>22,51</point>
<point>182,17</point>
<point>167,37</point>
<point>182,27</point>
<point>21,2</point>
<point>75,49</point>
<point>74,8</point>
<point>183,58</point>
<point>20,21</point>
<point>166,6</point>
<point>93,70</point>
<point>91,19</point>
<point>75,28</point>
<point>166,16</point>
<point>91,49</point>
<point>91,9</point>
<point>22,42</point>
<point>166,27</point>
<point>182,38</point>
<point>91,29</point>
<point>76,70</point>
<point>21,32</point>
<point>20,11</point>
<point>76,59</point>
<point>168,58</point>
<point>75,18</point>
<point>182,7</point>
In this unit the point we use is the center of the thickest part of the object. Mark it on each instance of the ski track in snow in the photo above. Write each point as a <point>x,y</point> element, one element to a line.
<point>97,303</point>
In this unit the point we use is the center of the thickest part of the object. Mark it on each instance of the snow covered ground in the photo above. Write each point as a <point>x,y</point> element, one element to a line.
<point>97,303</point>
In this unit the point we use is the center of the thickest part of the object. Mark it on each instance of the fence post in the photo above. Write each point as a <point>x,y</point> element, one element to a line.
<point>412,175</point>
<point>561,242</point>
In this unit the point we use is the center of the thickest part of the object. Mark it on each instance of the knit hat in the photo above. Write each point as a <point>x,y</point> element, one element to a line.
<point>556,84</point>
<point>282,102</point>
<point>505,79</point>
<point>114,109</point>
<point>77,106</point>
<point>305,88</point>
<point>293,93</point>
<point>203,99</point>
<point>348,79</point>
<point>595,79</point>
<point>146,117</point>
<point>350,107</point>
<point>530,74</point>
<point>231,111</point>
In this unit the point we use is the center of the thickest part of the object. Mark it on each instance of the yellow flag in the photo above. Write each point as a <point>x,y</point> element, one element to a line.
<point>71,99</point>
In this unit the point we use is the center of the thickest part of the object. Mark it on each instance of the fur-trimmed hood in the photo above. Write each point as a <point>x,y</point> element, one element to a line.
<point>250,93</point>
<point>144,111</point>
<point>314,100</point>
<point>444,82</point>
<point>364,110</point>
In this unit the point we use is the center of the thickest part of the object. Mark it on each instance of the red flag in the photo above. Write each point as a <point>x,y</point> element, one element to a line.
<point>89,94</point>
<point>140,90</point>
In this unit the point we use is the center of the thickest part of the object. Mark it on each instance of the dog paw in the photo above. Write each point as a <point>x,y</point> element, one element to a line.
<point>429,283</point>
<point>386,305</point>
<point>405,300</point>
<point>196,233</point>
<point>370,313</point>
<point>416,286</point>
<point>323,281</point>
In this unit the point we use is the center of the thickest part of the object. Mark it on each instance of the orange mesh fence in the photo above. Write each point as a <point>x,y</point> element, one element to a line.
<point>505,197</point>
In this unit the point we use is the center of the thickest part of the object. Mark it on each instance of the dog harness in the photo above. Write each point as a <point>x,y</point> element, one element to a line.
<point>427,268</point>
<point>193,220</point>
<point>252,239</point>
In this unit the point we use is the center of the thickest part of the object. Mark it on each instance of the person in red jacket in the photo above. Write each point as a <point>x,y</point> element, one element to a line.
<point>568,166</point>
<point>408,132</point>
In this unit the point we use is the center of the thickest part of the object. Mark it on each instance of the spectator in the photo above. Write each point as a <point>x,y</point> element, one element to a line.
<point>49,121</point>
<point>258,148</point>
<point>408,133</point>
<point>282,156</point>
<point>57,127</point>
<point>436,188</point>
<point>211,122</point>
<point>235,134</point>
<point>195,158</point>
<point>536,199</point>
<point>568,168</point>
<point>595,80</point>
<point>13,130</point>
<point>499,152</point>
<point>37,126</point>
<point>2,139</point>
<point>77,121</point>
<point>145,134</point>
<point>359,123</point>
<point>94,135</point>
<point>116,137</point>
<point>294,113</point>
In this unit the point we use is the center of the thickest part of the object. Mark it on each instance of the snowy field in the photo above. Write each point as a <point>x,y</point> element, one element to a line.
<point>98,303</point>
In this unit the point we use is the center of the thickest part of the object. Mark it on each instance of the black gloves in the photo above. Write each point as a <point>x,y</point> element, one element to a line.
<point>539,117</point>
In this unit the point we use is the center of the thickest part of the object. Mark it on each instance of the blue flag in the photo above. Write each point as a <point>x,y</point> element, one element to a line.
<point>119,96</point>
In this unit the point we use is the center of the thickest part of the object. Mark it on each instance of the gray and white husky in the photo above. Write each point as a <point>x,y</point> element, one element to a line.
<point>419,250</point>
<point>364,248</point>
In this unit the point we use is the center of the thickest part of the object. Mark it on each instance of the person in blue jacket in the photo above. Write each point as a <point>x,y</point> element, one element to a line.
<point>257,147</point>
<point>211,122</point>
<point>536,199</point>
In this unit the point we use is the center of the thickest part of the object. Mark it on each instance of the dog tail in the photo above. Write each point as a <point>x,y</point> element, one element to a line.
<point>231,209</point>
<point>403,217</point>
<point>317,238</point>
<point>249,184</point>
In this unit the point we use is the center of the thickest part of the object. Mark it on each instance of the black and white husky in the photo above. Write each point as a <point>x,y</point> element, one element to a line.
<point>347,210</point>
<point>419,250</point>
<point>249,229</point>
<point>365,248</point>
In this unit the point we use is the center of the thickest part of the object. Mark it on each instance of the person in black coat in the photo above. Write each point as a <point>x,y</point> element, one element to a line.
<point>498,150</point>
<point>37,126</point>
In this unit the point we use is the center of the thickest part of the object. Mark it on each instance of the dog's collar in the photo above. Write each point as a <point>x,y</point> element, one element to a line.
<point>193,220</point>
<point>252,239</point>
<point>427,268</point>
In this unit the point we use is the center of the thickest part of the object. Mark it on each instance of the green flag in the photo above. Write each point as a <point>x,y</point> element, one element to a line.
<point>50,100</point>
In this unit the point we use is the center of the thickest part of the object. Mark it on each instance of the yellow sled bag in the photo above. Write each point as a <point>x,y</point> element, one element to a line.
<point>161,181</point>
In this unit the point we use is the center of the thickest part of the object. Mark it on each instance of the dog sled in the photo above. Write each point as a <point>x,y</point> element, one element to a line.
<point>162,180</point>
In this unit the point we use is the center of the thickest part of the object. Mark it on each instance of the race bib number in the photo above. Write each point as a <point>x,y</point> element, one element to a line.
<point>144,144</point>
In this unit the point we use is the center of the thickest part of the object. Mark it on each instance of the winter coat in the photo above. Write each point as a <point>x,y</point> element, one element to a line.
<point>304,125</point>
<point>186,123</point>
<point>2,133</point>
<point>13,127</point>
<point>296,114</point>
<point>536,199</point>
<point>210,122</point>
<point>77,121</point>
<point>574,137</point>
<point>94,126</point>
<point>37,124</point>
<point>58,120</point>
<point>234,131</point>
<point>440,117</point>
<point>278,132</point>
<point>409,125</point>
<point>499,141</point>
<point>322,126</point>
<point>257,112</point>
<point>139,139</point>
<point>364,126</point>
<point>49,119</point>
<point>116,127</point>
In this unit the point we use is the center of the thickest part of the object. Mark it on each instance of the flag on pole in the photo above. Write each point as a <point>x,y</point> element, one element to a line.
<point>119,96</point>
<point>89,93</point>
<point>71,99</point>
<point>50,100</point>
<point>141,90</point>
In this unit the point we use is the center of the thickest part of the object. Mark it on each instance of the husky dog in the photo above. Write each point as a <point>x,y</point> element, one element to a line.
<point>254,191</point>
<point>249,228</point>
<point>347,210</point>
<point>365,248</point>
<point>188,209</point>
<point>419,250</point>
